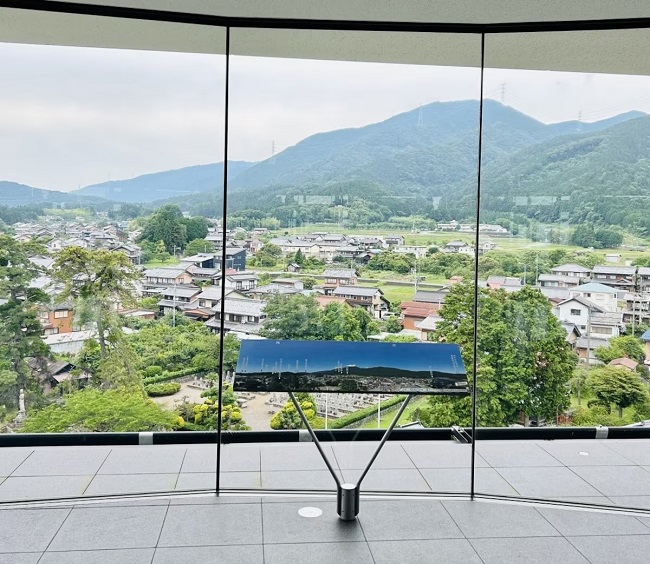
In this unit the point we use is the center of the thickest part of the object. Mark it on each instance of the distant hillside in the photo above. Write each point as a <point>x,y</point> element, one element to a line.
<point>13,194</point>
<point>426,149</point>
<point>603,176</point>
<point>166,184</point>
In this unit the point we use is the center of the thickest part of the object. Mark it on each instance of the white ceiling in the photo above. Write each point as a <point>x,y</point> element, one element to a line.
<point>625,51</point>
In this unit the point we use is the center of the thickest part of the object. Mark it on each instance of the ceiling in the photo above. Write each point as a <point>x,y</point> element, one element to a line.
<point>609,51</point>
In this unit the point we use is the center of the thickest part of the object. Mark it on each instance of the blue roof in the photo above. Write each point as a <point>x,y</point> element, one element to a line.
<point>646,336</point>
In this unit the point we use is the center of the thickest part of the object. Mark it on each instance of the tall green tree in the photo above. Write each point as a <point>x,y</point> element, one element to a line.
<point>196,246</point>
<point>97,280</point>
<point>523,362</point>
<point>292,317</point>
<point>619,347</point>
<point>167,224</point>
<point>20,329</point>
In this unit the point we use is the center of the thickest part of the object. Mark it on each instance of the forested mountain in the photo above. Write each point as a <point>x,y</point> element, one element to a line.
<point>424,150</point>
<point>166,184</point>
<point>15,194</point>
<point>602,177</point>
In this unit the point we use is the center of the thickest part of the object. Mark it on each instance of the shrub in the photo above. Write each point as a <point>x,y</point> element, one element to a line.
<point>163,389</point>
<point>357,416</point>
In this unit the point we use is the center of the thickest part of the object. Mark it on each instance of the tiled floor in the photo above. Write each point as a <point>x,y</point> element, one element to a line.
<point>271,530</point>
<point>601,472</point>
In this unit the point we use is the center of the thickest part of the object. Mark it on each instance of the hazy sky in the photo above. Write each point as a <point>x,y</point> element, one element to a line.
<point>76,116</point>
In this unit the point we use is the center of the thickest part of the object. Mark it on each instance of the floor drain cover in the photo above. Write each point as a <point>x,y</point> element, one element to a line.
<point>310,512</point>
<point>583,453</point>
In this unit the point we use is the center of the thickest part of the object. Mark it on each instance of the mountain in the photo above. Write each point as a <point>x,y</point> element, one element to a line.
<point>426,149</point>
<point>166,184</point>
<point>15,194</point>
<point>601,176</point>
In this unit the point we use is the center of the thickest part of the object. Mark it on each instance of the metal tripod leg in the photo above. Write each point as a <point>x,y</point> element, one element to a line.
<point>347,495</point>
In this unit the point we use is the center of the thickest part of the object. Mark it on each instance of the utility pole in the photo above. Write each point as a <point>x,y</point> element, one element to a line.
<point>174,310</point>
<point>588,336</point>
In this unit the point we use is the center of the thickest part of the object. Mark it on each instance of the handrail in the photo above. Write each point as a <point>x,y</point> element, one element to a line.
<point>338,435</point>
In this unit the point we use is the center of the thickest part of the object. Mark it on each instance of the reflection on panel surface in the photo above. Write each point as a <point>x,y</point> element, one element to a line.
<point>326,366</point>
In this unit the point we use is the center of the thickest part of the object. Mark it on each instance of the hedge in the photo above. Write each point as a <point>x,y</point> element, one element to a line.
<point>166,376</point>
<point>163,389</point>
<point>357,416</point>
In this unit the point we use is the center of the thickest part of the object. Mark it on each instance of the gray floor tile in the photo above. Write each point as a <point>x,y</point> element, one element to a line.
<point>584,453</point>
<point>234,458</point>
<point>63,461</point>
<point>43,487</point>
<point>110,484</point>
<point>20,558</point>
<point>12,458</point>
<point>458,480</point>
<point>248,554</point>
<point>207,481</point>
<point>478,519</point>
<point>404,480</point>
<point>281,456</point>
<point>529,550</point>
<point>283,524</point>
<point>573,522</point>
<point>105,527</point>
<point>402,520</point>
<point>638,451</point>
<point>437,454</point>
<point>613,550</point>
<point>357,455</point>
<point>299,480</point>
<point>42,525</point>
<point>449,551</point>
<point>128,556</point>
<point>144,460</point>
<point>514,454</point>
<point>215,524</point>
<point>615,480</point>
<point>547,482</point>
<point>319,553</point>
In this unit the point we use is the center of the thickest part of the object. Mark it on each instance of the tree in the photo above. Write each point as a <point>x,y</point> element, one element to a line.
<point>20,329</point>
<point>195,227</point>
<point>619,347</point>
<point>268,255</point>
<point>524,362</point>
<point>168,225</point>
<point>196,246</point>
<point>293,316</point>
<point>308,283</point>
<point>338,323</point>
<point>299,257</point>
<point>400,339</point>
<point>93,410</point>
<point>161,253</point>
<point>617,385</point>
<point>392,325</point>
<point>97,280</point>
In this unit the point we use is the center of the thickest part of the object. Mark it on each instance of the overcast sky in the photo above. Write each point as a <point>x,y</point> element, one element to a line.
<point>76,116</point>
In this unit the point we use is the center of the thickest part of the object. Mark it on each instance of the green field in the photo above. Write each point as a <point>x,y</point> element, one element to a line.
<point>387,415</point>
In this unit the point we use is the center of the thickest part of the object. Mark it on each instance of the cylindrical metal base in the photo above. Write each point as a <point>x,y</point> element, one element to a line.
<point>347,501</point>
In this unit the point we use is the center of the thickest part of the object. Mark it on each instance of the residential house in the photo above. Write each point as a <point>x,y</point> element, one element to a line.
<point>235,259</point>
<point>586,345</point>
<point>507,283</point>
<point>557,281</point>
<point>56,317</point>
<point>625,363</point>
<point>243,316</point>
<point>602,295</point>
<point>413,313</point>
<point>643,278</point>
<point>371,299</point>
<point>131,250</point>
<point>237,280</point>
<point>393,240</point>
<point>335,277</point>
<point>620,277</point>
<point>429,296</point>
<point>53,373</point>
<point>459,247</point>
<point>176,297</point>
<point>637,308</point>
<point>157,279</point>
<point>572,270</point>
<point>577,311</point>
<point>427,326</point>
<point>420,251</point>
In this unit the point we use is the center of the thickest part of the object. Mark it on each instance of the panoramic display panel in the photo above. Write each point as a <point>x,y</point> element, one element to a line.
<point>326,366</point>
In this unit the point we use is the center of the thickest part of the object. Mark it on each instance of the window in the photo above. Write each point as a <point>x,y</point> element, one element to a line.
<point>61,313</point>
<point>576,312</point>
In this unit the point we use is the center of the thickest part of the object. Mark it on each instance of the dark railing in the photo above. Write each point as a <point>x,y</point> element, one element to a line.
<point>340,435</point>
